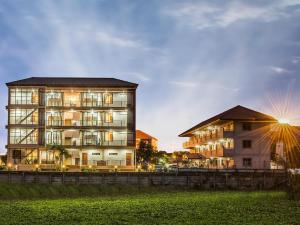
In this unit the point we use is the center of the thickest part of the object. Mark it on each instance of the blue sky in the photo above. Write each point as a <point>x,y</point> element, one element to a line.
<point>192,59</point>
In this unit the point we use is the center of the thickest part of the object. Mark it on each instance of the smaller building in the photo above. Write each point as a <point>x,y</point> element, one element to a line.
<point>142,136</point>
<point>237,138</point>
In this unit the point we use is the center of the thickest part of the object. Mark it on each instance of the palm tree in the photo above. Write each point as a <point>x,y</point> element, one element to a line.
<point>63,153</point>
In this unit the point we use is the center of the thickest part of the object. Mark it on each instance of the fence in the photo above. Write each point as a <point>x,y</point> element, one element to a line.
<point>206,180</point>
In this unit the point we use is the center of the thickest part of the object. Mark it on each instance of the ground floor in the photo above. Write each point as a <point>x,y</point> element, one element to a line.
<point>236,162</point>
<point>71,159</point>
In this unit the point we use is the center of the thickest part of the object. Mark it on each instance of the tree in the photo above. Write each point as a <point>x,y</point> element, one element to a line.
<point>145,154</point>
<point>4,159</point>
<point>62,152</point>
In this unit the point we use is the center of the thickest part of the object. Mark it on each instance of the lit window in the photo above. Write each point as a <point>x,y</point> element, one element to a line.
<point>109,117</point>
<point>108,98</point>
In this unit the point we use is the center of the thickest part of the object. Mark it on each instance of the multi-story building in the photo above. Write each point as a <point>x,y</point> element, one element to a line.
<point>237,138</point>
<point>93,118</point>
<point>142,136</point>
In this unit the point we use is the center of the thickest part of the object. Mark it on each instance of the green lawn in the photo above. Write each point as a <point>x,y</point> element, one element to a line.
<point>156,208</point>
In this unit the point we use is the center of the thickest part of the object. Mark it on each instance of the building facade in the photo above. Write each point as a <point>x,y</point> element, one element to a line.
<point>142,136</point>
<point>93,118</point>
<point>237,138</point>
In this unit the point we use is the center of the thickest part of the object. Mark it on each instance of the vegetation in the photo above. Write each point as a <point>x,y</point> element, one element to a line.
<point>154,207</point>
<point>146,155</point>
<point>63,153</point>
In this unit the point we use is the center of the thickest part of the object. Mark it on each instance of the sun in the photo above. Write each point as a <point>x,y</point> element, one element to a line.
<point>284,121</point>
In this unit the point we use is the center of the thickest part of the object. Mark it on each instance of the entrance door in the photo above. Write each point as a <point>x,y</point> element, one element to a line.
<point>84,159</point>
<point>128,159</point>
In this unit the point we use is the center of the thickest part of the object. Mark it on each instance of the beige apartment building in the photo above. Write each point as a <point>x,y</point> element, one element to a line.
<point>237,138</point>
<point>93,118</point>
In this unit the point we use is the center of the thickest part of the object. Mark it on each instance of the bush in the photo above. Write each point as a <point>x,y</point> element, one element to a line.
<point>294,186</point>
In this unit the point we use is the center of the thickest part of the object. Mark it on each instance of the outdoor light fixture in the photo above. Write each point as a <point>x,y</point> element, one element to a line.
<point>284,121</point>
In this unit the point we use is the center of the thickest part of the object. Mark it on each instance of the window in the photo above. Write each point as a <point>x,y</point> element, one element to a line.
<point>23,96</point>
<point>23,116</point>
<point>109,117</point>
<point>54,99</point>
<point>112,153</point>
<point>23,136</point>
<point>247,126</point>
<point>95,153</point>
<point>108,98</point>
<point>247,162</point>
<point>91,138</point>
<point>89,99</point>
<point>54,118</point>
<point>247,143</point>
<point>53,137</point>
<point>109,136</point>
<point>91,119</point>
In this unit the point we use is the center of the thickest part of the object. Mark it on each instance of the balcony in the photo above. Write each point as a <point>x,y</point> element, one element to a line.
<point>83,104</point>
<point>86,123</point>
<point>76,142</point>
<point>213,136</point>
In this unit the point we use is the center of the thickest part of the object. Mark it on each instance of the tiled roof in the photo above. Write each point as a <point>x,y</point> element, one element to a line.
<point>142,135</point>
<point>72,82</point>
<point>235,113</point>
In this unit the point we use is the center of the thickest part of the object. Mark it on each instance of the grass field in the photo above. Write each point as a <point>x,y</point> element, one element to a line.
<point>176,207</point>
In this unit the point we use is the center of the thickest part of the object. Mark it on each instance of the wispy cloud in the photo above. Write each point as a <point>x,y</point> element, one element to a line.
<point>279,70</point>
<point>203,15</point>
<point>296,60</point>
<point>183,84</point>
<point>107,38</point>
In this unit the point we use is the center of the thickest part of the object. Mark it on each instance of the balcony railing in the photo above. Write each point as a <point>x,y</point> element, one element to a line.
<point>98,123</point>
<point>214,136</point>
<point>78,142</point>
<point>60,103</point>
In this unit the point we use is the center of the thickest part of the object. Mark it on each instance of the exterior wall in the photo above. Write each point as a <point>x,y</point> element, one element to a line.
<point>259,153</point>
<point>65,124</point>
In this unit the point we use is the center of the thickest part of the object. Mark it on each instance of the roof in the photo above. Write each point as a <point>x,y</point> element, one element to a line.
<point>235,113</point>
<point>142,135</point>
<point>72,82</point>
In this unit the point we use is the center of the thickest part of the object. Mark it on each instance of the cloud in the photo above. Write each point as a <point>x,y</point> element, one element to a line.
<point>183,84</point>
<point>296,60</point>
<point>279,70</point>
<point>203,15</point>
<point>107,38</point>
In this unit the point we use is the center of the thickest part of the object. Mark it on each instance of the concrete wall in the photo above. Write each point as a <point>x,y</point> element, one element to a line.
<point>260,150</point>
<point>207,180</point>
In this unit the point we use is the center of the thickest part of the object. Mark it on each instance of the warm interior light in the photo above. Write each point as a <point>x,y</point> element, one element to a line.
<point>283,121</point>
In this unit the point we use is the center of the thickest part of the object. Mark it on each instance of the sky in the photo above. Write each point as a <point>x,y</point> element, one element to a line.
<point>191,59</point>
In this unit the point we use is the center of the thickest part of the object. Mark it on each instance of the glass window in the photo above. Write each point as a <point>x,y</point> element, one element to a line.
<point>23,136</point>
<point>247,162</point>
<point>54,99</point>
<point>109,117</point>
<point>89,99</point>
<point>53,137</point>
<point>23,96</point>
<point>247,143</point>
<point>91,138</point>
<point>23,116</point>
<point>247,126</point>
<point>54,118</point>
<point>91,119</point>
<point>108,98</point>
